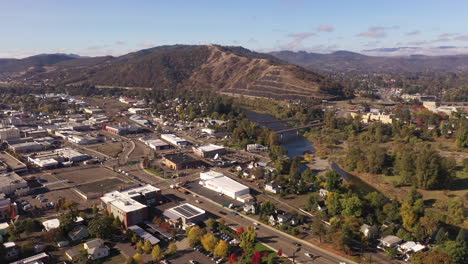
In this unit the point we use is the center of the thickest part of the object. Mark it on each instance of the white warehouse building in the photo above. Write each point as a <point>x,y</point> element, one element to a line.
<point>174,140</point>
<point>217,182</point>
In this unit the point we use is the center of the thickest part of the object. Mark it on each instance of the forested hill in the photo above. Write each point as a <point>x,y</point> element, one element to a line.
<point>233,70</point>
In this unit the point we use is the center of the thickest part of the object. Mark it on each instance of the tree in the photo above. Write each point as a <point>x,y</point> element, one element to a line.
<point>67,221</point>
<point>209,242</point>
<point>462,134</point>
<point>147,247</point>
<point>101,227</point>
<point>194,235</point>
<point>431,170</point>
<point>117,223</point>
<point>429,224</point>
<point>333,182</point>
<point>139,246</point>
<point>212,224</point>
<point>257,258</point>
<point>458,252</point>
<point>392,211</point>
<point>157,253</point>
<point>267,208</point>
<point>456,209</point>
<point>221,249</point>
<point>318,228</point>
<point>248,238</point>
<point>442,236</point>
<point>375,199</point>
<point>408,215</point>
<point>273,139</point>
<point>461,236</point>
<point>134,238</point>
<point>430,257</point>
<point>333,203</point>
<point>138,258</point>
<point>233,258</point>
<point>239,230</point>
<point>352,206</point>
<point>172,248</point>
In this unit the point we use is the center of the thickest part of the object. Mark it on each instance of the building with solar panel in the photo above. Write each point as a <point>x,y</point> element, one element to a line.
<point>184,215</point>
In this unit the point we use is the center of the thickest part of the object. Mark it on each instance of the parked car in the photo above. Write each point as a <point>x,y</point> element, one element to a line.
<point>308,255</point>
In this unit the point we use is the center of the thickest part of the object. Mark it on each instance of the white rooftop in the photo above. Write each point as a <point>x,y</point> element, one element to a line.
<point>227,184</point>
<point>127,204</point>
<point>143,234</point>
<point>210,175</point>
<point>55,223</point>
<point>4,225</point>
<point>413,246</point>
<point>209,147</point>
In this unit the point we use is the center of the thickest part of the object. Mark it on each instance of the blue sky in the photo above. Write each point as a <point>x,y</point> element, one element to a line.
<point>104,27</point>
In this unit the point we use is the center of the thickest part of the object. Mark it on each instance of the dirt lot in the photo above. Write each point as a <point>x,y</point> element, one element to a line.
<point>111,149</point>
<point>99,187</point>
<point>87,179</point>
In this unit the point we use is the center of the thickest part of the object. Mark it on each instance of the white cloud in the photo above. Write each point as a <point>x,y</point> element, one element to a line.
<point>147,44</point>
<point>297,39</point>
<point>374,32</point>
<point>325,28</point>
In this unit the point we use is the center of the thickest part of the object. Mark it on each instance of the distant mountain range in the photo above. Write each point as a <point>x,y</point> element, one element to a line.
<point>233,70</point>
<point>351,62</point>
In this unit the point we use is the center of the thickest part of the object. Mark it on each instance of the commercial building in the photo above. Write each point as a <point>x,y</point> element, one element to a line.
<point>71,154</point>
<point>174,140</point>
<point>11,183</point>
<point>184,215</point>
<point>154,143</point>
<point>180,161</point>
<point>50,159</point>
<point>130,206</point>
<point>122,129</point>
<point>217,182</point>
<point>140,120</point>
<point>83,139</point>
<point>209,150</point>
<point>26,147</point>
<point>9,133</point>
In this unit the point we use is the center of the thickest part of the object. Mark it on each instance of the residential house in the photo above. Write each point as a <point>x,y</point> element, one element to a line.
<point>323,193</point>
<point>96,249</point>
<point>369,231</point>
<point>78,233</point>
<point>272,187</point>
<point>390,241</point>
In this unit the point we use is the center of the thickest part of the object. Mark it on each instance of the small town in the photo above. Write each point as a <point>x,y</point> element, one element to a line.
<point>131,182</point>
<point>234,132</point>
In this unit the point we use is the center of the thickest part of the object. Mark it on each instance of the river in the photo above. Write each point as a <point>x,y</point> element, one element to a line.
<point>295,144</point>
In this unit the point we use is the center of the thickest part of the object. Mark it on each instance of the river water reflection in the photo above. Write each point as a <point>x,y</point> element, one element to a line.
<point>295,144</point>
